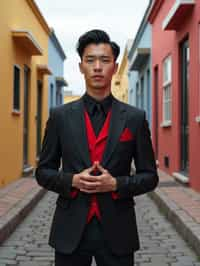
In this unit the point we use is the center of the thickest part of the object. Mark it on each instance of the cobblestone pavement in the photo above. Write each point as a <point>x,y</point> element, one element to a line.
<point>160,244</point>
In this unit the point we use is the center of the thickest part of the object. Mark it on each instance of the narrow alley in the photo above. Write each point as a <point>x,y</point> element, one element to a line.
<point>161,245</point>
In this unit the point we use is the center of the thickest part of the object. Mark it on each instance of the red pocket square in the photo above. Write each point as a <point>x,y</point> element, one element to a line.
<point>126,135</point>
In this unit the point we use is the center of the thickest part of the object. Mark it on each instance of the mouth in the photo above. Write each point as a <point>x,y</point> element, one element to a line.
<point>97,77</point>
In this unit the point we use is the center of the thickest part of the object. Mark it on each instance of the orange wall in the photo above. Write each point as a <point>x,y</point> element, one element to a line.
<point>17,14</point>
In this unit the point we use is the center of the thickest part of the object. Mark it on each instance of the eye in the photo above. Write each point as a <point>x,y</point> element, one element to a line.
<point>105,60</point>
<point>89,60</point>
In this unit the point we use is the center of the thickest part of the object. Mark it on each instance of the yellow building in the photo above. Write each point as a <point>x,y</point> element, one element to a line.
<point>24,86</point>
<point>120,79</point>
<point>69,97</point>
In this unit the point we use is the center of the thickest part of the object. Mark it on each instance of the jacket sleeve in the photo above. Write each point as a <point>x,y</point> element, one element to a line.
<point>146,177</point>
<point>48,174</point>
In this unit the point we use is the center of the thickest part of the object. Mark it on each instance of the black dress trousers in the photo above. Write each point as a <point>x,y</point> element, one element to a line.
<point>92,245</point>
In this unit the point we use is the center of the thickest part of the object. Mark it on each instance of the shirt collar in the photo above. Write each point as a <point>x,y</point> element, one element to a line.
<point>90,102</point>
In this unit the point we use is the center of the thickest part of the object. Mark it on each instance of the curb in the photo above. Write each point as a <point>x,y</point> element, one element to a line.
<point>184,224</point>
<point>15,216</point>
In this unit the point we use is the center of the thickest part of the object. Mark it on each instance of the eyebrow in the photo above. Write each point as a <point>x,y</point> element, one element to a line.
<point>101,56</point>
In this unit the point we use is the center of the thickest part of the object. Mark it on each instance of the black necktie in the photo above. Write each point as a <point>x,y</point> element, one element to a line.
<point>98,118</point>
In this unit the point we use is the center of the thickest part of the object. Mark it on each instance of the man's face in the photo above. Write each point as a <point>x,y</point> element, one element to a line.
<point>98,66</point>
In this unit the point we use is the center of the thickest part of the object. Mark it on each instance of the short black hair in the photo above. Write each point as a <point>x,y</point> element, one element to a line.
<point>96,36</point>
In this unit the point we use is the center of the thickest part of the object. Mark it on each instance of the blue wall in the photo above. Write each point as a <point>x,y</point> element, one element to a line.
<point>136,78</point>
<point>56,65</point>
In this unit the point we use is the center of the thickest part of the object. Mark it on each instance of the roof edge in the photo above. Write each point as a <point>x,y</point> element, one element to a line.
<point>140,30</point>
<point>57,44</point>
<point>39,15</point>
<point>155,7</point>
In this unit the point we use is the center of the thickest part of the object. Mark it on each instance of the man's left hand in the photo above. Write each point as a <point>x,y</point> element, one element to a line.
<point>104,182</point>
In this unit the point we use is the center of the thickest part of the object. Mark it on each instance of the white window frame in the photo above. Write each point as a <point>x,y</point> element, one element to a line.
<point>167,85</point>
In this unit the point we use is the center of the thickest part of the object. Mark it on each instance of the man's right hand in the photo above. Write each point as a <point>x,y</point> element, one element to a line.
<point>79,180</point>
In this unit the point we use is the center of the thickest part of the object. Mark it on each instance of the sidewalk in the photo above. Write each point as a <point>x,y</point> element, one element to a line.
<point>16,201</point>
<point>180,204</point>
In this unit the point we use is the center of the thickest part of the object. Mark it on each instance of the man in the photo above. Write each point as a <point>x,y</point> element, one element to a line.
<point>96,137</point>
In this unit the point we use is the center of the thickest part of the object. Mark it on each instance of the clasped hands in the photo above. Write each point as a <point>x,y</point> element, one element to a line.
<point>88,183</point>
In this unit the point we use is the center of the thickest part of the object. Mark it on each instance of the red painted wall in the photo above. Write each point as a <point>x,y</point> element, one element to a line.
<point>165,43</point>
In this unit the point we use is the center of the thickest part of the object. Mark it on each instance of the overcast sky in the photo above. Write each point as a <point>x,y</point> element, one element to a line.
<point>70,19</point>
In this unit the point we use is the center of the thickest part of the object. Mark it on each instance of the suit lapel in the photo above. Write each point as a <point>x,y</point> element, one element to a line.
<point>117,122</point>
<point>78,129</point>
<point>77,125</point>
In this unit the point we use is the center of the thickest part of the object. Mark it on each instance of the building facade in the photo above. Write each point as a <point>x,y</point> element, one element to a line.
<point>139,74</point>
<point>119,84</point>
<point>176,87</point>
<point>56,64</point>
<point>24,86</point>
<point>70,97</point>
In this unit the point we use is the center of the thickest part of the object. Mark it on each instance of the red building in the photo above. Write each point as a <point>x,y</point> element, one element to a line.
<point>176,87</point>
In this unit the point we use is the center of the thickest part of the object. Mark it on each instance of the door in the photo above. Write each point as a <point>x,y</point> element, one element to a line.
<point>156,110</point>
<point>185,57</point>
<point>26,116</point>
<point>148,97</point>
<point>39,116</point>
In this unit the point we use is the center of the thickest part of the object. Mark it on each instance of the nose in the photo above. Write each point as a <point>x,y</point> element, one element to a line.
<point>97,65</point>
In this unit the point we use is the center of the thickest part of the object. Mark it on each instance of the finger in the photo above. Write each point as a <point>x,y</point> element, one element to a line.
<point>100,167</point>
<point>90,178</point>
<point>89,191</point>
<point>92,168</point>
<point>89,185</point>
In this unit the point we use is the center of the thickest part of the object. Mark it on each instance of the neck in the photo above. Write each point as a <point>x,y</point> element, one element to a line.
<point>98,94</point>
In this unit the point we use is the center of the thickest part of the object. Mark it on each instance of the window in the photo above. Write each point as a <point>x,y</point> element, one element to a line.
<point>61,97</point>
<point>167,85</point>
<point>58,95</point>
<point>142,93</point>
<point>51,94</point>
<point>137,94</point>
<point>16,89</point>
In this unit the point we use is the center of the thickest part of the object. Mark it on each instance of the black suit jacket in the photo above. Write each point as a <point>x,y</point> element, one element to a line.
<point>65,143</point>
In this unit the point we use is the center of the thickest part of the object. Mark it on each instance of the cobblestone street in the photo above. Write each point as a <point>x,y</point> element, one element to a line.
<point>160,244</point>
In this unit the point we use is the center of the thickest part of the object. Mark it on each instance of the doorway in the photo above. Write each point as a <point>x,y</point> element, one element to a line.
<point>185,59</point>
<point>39,117</point>
<point>26,116</point>
<point>156,109</point>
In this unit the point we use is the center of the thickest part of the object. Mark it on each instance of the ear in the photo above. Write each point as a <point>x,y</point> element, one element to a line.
<point>81,67</point>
